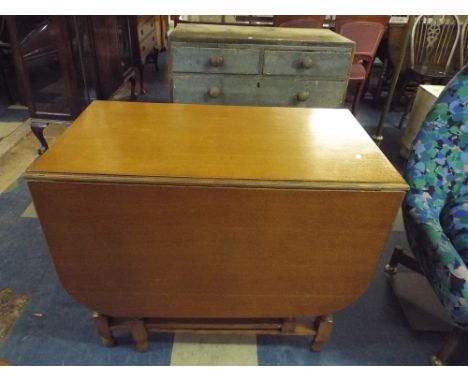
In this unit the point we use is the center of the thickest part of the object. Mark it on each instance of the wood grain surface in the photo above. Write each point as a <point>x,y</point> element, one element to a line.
<point>222,145</point>
<point>213,252</point>
<point>265,35</point>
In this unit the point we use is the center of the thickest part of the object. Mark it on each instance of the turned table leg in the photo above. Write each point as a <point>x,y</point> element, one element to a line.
<point>103,329</point>
<point>140,335</point>
<point>323,326</point>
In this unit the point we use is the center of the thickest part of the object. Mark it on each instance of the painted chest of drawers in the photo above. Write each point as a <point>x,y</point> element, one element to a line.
<point>242,65</point>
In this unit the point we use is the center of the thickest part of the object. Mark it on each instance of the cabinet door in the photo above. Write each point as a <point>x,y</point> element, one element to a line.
<point>44,65</point>
<point>216,89</point>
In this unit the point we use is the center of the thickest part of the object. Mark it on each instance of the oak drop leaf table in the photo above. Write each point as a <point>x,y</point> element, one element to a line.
<point>173,217</point>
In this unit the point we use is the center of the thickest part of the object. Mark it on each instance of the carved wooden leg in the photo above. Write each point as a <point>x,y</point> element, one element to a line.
<point>323,326</point>
<point>141,70</point>
<point>38,130</point>
<point>440,359</point>
<point>132,87</point>
<point>155,61</point>
<point>140,335</point>
<point>103,329</point>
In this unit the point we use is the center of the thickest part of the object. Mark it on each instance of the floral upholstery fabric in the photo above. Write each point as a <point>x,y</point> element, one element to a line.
<point>435,209</point>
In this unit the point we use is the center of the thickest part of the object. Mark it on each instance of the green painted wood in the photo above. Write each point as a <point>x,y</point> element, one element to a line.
<point>322,63</point>
<point>278,91</point>
<point>234,89</point>
<point>258,35</point>
<point>257,90</point>
<point>196,59</point>
<point>261,66</point>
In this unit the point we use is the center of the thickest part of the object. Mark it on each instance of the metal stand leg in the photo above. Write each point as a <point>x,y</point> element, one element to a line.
<point>38,130</point>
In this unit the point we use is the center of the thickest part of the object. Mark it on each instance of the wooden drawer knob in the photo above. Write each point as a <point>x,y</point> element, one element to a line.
<point>303,95</point>
<point>214,91</point>
<point>216,60</point>
<point>306,63</point>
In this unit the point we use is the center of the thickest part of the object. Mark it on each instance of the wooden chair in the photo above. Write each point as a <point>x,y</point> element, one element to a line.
<point>432,47</point>
<point>343,19</point>
<point>367,36</point>
<point>302,21</point>
<point>464,44</point>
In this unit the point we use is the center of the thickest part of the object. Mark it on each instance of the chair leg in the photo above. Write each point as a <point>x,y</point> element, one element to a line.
<point>400,256</point>
<point>440,359</point>
<point>357,97</point>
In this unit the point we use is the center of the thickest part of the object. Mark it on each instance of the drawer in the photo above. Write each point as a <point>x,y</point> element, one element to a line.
<point>215,60</point>
<point>296,92</point>
<point>307,63</point>
<point>233,90</point>
<point>144,29</point>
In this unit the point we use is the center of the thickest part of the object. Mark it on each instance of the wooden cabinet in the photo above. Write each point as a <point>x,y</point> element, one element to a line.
<point>65,62</point>
<point>219,212</point>
<point>147,37</point>
<point>243,65</point>
<point>152,39</point>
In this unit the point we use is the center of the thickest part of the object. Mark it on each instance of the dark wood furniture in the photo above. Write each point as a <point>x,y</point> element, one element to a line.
<point>215,218</point>
<point>64,62</point>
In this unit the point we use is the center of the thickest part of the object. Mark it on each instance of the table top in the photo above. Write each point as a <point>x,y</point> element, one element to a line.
<point>242,146</point>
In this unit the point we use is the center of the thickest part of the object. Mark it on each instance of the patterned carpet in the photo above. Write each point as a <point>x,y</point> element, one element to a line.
<point>56,330</point>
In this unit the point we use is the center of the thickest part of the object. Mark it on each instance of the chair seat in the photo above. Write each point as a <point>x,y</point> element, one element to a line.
<point>433,71</point>
<point>454,221</point>
<point>358,72</point>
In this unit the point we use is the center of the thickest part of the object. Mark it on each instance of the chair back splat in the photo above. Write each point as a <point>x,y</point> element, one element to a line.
<point>433,43</point>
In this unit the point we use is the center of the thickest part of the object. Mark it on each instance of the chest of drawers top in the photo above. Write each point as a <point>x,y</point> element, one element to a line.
<point>232,34</point>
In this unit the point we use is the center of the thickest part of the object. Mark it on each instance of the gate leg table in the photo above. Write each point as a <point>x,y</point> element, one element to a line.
<point>203,218</point>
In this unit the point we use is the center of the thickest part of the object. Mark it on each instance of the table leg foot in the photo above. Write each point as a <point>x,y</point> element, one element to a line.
<point>140,335</point>
<point>103,329</point>
<point>323,326</point>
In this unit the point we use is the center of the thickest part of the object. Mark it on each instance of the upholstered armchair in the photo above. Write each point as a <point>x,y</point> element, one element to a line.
<point>435,210</point>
